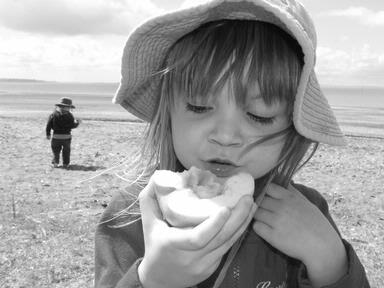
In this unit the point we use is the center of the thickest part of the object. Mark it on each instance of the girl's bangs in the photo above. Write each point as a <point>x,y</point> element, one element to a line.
<point>242,54</point>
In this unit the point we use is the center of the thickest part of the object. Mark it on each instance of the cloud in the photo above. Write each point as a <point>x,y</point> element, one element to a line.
<point>359,66</point>
<point>74,17</point>
<point>362,14</point>
<point>65,58</point>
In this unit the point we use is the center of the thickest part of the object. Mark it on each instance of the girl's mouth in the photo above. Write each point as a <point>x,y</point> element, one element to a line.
<point>221,168</point>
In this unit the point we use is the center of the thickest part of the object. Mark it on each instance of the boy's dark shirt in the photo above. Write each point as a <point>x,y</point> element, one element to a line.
<point>60,123</point>
<point>118,252</point>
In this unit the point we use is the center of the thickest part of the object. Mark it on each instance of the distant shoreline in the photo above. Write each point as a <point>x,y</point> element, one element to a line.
<point>22,80</point>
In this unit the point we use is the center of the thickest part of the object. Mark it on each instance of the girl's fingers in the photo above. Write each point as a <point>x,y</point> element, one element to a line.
<point>216,230</point>
<point>198,237</point>
<point>295,192</point>
<point>222,249</point>
<point>150,210</point>
<point>263,230</point>
<point>242,228</point>
<point>265,216</point>
<point>270,203</point>
<point>212,265</point>
<point>240,214</point>
<point>277,192</point>
<point>227,238</point>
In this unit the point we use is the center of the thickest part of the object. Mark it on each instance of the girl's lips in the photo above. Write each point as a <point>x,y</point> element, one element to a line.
<point>221,169</point>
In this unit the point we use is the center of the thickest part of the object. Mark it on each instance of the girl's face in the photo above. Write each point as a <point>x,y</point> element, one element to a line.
<point>216,135</point>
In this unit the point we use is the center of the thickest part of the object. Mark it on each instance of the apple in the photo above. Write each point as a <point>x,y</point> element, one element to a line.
<point>188,198</point>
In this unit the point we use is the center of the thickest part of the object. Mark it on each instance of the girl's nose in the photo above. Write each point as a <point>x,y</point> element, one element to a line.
<point>226,129</point>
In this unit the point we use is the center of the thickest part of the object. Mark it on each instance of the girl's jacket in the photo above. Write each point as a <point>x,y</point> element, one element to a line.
<point>118,252</point>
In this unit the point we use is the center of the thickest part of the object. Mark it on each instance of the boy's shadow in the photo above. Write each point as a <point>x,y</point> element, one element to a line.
<point>77,167</point>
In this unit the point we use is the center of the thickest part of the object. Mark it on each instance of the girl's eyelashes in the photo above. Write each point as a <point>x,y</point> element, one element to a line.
<point>261,120</point>
<point>197,108</point>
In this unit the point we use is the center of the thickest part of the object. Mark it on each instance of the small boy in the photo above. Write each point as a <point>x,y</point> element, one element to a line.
<point>61,121</point>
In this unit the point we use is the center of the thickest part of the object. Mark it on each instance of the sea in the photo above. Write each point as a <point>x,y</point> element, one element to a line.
<point>349,96</point>
<point>33,98</point>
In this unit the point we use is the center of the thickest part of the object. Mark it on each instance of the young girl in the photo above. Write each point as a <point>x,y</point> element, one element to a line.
<point>227,86</point>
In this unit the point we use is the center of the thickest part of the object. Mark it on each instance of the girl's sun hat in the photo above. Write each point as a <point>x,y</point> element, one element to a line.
<point>147,46</point>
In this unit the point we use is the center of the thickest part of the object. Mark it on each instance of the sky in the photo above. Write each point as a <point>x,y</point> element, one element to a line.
<point>83,40</point>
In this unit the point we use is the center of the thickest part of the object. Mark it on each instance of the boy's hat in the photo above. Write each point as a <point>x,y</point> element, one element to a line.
<point>65,102</point>
<point>147,46</point>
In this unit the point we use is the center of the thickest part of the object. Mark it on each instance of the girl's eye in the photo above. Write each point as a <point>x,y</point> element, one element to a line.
<point>197,109</point>
<point>261,120</point>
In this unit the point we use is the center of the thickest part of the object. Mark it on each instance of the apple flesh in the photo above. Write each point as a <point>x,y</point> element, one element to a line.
<point>188,198</point>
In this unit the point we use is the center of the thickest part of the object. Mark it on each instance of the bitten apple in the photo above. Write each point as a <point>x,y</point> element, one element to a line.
<point>188,198</point>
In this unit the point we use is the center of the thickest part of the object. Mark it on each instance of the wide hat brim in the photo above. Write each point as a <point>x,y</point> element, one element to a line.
<point>65,105</point>
<point>147,47</point>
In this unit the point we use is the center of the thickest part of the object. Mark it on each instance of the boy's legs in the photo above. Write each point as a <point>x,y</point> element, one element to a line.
<point>66,152</point>
<point>56,149</point>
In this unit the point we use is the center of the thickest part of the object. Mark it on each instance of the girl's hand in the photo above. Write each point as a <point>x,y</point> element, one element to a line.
<point>183,257</point>
<point>292,224</point>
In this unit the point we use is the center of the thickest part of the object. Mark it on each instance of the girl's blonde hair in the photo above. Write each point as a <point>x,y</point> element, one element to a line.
<point>202,62</point>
